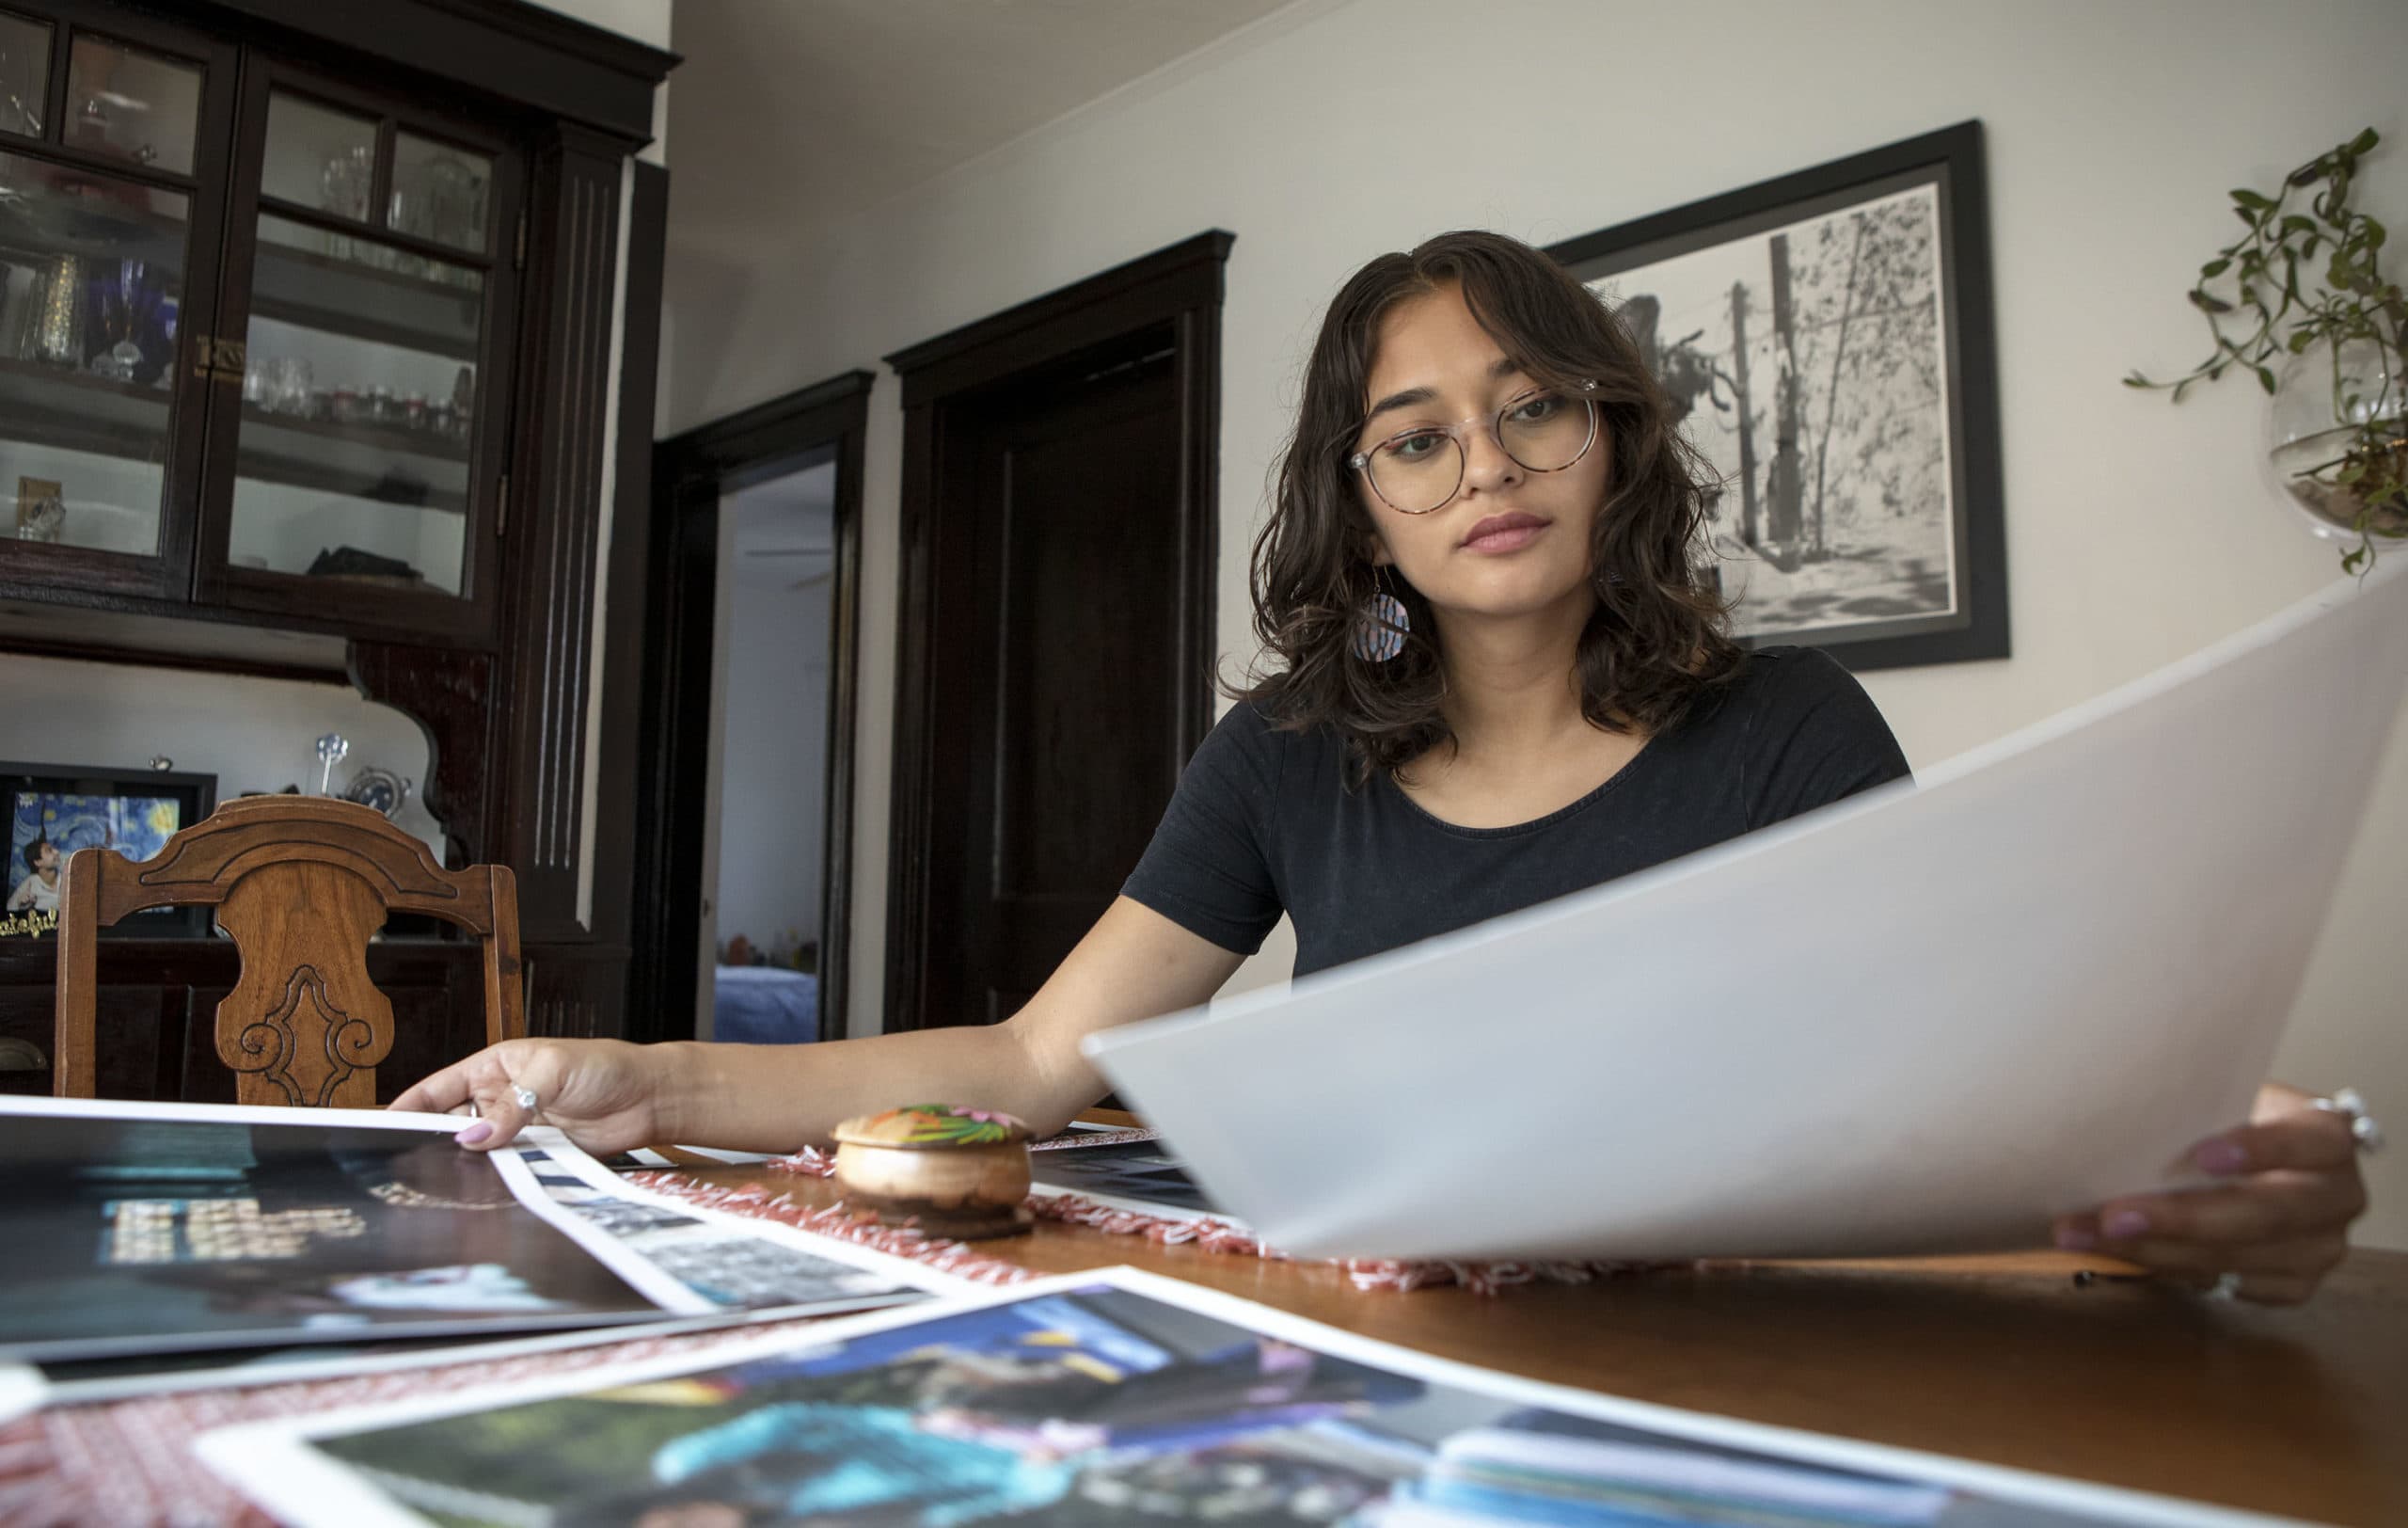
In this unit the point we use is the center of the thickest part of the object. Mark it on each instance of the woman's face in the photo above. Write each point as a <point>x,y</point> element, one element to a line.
<point>1512,541</point>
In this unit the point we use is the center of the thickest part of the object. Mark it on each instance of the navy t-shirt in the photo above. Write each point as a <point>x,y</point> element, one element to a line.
<point>1263,821</point>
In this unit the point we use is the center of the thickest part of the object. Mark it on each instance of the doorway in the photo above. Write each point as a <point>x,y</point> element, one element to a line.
<point>743,874</point>
<point>1054,670</point>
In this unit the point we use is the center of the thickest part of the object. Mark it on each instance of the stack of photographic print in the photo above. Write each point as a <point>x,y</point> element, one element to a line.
<point>1108,1397</point>
<point>1139,1175</point>
<point>143,1229</point>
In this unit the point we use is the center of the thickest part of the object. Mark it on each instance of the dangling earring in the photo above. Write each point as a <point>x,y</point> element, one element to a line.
<point>1381,625</point>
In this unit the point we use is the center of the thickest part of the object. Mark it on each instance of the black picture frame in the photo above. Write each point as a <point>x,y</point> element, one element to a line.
<point>52,785</point>
<point>1833,503</point>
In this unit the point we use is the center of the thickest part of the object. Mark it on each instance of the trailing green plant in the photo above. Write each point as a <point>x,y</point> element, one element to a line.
<point>2297,279</point>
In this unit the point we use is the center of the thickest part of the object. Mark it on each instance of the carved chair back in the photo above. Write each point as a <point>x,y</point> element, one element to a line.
<point>300,882</point>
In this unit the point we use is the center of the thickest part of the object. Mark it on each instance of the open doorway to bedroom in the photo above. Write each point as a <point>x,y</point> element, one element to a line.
<point>763,892</point>
<point>745,849</point>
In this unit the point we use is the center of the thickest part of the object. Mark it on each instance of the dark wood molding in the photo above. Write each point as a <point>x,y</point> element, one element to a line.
<point>575,991</point>
<point>765,440</point>
<point>524,53</point>
<point>828,421</point>
<point>619,737</point>
<point>1177,290</point>
<point>1177,278</point>
<point>563,412</point>
<point>449,695</point>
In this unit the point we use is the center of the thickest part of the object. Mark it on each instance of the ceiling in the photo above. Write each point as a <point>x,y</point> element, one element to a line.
<point>823,107</point>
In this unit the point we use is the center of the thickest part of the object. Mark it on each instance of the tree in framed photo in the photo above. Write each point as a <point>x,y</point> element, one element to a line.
<point>1825,341</point>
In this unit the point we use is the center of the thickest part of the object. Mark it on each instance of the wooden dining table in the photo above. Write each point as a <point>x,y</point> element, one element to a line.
<point>2044,1361</point>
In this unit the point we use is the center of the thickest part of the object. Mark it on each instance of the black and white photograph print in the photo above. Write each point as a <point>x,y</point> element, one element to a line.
<point>1826,342</point>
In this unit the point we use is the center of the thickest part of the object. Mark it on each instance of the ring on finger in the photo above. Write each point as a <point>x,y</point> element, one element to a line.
<point>524,1097</point>
<point>2352,1106</point>
<point>2227,1287</point>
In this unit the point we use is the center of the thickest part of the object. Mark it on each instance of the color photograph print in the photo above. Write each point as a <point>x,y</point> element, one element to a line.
<point>142,1235</point>
<point>45,827</point>
<point>1105,1399</point>
<point>1810,344</point>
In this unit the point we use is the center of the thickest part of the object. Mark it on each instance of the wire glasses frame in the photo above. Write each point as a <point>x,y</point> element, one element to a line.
<point>1457,434</point>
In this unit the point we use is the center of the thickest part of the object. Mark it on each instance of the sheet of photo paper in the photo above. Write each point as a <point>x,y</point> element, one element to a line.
<point>1926,1019</point>
<point>724,1268</point>
<point>695,1261</point>
<point>1125,1169</point>
<point>151,1228</point>
<point>22,1389</point>
<point>1098,1398</point>
<point>688,1156</point>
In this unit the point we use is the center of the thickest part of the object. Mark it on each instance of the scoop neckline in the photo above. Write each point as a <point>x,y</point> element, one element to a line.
<point>1515,830</point>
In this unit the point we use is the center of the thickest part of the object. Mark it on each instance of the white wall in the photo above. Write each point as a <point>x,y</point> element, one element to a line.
<point>773,763</point>
<point>2137,531</point>
<point>252,734</point>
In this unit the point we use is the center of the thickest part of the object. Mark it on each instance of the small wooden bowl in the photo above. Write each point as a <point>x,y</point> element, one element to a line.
<point>952,1171</point>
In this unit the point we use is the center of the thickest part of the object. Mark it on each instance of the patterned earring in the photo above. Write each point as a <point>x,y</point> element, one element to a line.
<point>1381,625</point>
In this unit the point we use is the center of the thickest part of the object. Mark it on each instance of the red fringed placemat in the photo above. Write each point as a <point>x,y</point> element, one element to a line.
<point>128,1464</point>
<point>1209,1234</point>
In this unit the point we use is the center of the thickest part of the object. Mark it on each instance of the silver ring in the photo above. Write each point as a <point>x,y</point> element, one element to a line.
<point>2227,1287</point>
<point>524,1097</point>
<point>2351,1108</point>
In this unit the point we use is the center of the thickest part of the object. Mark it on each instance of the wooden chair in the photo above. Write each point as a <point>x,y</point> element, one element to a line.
<point>300,882</point>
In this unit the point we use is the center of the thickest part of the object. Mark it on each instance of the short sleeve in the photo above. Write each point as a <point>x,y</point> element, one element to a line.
<point>1815,738</point>
<point>1208,868</point>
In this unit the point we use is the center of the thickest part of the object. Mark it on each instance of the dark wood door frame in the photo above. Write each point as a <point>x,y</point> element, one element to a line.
<point>1178,287</point>
<point>824,423</point>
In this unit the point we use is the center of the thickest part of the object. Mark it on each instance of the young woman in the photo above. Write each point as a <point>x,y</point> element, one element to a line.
<point>1497,674</point>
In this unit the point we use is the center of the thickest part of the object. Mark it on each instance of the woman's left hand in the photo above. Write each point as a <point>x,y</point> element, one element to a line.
<point>2279,1224</point>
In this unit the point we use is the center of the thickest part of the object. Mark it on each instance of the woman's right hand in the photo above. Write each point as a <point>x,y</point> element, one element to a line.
<point>604,1095</point>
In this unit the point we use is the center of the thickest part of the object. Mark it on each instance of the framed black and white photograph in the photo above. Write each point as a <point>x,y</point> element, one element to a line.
<point>56,809</point>
<point>1827,344</point>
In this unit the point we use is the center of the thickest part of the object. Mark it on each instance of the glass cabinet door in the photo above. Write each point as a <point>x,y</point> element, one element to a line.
<point>372,323</point>
<point>98,211</point>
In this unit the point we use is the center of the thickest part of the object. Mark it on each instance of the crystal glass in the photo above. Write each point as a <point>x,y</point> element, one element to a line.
<point>318,157</point>
<point>439,192</point>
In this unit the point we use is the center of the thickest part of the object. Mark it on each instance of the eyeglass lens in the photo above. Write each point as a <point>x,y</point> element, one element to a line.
<point>1420,470</point>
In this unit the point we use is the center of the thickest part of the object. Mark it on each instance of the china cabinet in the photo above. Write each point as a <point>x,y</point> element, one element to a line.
<point>310,363</point>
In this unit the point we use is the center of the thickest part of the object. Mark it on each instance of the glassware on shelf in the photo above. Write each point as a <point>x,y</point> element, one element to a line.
<point>56,340</point>
<point>126,307</point>
<point>343,183</point>
<point>438,193</point>
<point>291,386</point>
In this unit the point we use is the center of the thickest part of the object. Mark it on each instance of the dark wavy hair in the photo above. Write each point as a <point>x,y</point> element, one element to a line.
<point>1659,636</point>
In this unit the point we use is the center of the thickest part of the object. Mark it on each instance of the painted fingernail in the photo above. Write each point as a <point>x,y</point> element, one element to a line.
<point>475,1133</point>
<point>2125,1223</point>
<point>2221,1157</point>
<point>2075,1238</point>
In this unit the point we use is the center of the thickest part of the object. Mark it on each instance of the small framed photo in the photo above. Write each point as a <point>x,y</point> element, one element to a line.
<point>56,809</point>
<point>1828,343</point>
<point>41,509</point>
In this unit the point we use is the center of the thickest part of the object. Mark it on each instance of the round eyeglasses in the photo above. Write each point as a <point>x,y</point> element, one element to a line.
<point>1420,470</point>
